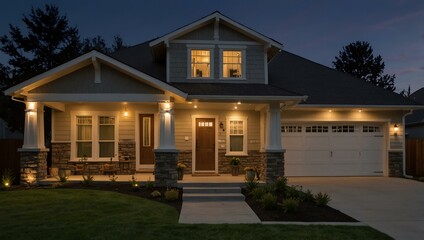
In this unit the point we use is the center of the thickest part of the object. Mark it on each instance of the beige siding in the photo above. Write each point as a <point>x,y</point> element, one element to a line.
<point>184,121</point>
<point>204,33</point>
<point>61,126</point>
<point>82,81</point>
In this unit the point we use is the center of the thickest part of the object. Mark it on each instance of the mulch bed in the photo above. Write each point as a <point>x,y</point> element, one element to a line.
<point>307,212</point>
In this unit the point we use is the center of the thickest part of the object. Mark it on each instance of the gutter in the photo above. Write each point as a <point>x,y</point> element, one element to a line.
<point>404,144</point>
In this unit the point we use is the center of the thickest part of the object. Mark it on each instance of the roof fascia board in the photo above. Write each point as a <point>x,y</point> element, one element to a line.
<point>179,32</point>
<point>400,107</point>
<point>248,98</point>
<point>85,60</point>
<point>96,97</point>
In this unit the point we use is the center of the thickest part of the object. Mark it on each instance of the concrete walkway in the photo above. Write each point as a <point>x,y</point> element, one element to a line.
<point>217,212</point>
<point>394,206</point>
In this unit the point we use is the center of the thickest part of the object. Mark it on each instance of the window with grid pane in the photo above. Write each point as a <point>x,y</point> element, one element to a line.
<point>232,64</point>
<point>106,136</point>
<point>84,139</point>
<point>200,63</point>
<point>236,136</point>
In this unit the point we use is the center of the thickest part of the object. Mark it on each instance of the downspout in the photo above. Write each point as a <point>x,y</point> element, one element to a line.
<point>404,145</point>
<point>18,100</point>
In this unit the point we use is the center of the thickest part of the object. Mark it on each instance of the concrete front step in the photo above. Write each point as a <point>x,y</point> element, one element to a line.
<point>215,193</point>
<point>210,184</point>
<point>212,189</point>
<point>212,197</point>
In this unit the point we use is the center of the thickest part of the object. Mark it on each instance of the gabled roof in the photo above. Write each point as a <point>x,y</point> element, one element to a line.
<point>417,117</point>
<point>215,16</point>
<point>21,89</point>
<point>327,86</point>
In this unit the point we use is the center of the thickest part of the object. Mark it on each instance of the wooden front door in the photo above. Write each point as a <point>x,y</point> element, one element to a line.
<point>146,139</point>
<point>205,144</point>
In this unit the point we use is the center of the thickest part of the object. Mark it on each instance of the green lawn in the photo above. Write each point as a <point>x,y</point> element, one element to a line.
<point>89,214</point>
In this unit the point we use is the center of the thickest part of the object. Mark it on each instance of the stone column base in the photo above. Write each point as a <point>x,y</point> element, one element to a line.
<point>33,165</point>
<point>395,164</point>
<point>166,167</point>
<point>273,162</point>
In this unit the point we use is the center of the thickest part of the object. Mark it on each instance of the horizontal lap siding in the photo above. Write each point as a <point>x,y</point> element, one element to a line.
<point>183,127</point>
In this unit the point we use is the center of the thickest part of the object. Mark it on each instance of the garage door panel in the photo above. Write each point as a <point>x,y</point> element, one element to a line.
<point>344,142</point>
<point>317,142</point>
<point>292,142</point>
<point>334,153</point>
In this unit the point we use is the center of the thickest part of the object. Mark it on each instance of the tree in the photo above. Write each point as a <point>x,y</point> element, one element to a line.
<point>98,43</point>
<point>358,59</point>
<point>406,93</point>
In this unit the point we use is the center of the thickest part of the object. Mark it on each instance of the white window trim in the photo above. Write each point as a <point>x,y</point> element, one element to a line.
<point>238,153</point>
<point>210,48</point>
<point>95,135</point>
<point>243,61</point>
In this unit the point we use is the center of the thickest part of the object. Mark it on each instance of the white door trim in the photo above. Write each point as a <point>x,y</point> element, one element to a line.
<point>193,144</point>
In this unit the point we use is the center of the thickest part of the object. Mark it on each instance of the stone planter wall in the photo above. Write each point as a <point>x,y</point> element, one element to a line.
<point>395,164</point>
<point>166,168</point>
<point>61,156</point>
<point>33,166</point>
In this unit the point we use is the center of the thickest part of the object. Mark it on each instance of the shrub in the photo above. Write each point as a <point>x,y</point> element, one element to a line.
<point>113,178</point>
<point>280,184</point>
<point>87,179</point>
<point>7,179</point>
<point>156,194</point>
<point>322,199</point>
<point>294,192</point>
<point>308,196</point>
<point>290,205</point>
<point>257,193</point>
<point>270,187</point>
<point>62,178</point>
<point>171,194</point>
<point>235,161</point>
<point>269,201</point>
<point>251,184</point>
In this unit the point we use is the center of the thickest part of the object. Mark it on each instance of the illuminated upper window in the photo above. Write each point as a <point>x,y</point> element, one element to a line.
<point>200,63</point>
<point>232,62</point>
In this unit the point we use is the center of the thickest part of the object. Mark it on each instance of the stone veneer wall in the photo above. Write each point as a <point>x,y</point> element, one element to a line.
<point>273,164</point>
<point>33,166</point>
<point>254,159</point>
<point>61,156</point>
<point>166,168</point>
<point>396,164</point>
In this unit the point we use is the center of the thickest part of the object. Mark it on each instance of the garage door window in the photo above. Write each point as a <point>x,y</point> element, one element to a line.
<point>371,129</point>
<point>343,129</point>
<point>317,129</point>
<point>291,129</point>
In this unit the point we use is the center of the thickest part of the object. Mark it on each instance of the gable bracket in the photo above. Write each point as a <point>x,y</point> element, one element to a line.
<point>216,29</point>
<point>97,75</point>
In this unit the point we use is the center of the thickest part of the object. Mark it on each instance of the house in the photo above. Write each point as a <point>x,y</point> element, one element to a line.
<point>202,94</point>
<point>415,121</point>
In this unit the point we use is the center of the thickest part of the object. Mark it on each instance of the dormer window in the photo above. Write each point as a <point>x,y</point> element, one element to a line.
<point>201,65</point>
<point>233,62</point>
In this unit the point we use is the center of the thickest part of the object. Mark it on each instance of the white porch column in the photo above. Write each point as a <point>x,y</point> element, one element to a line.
<point>273,128</point>
<point>34,126</point>
<point>166,126</point>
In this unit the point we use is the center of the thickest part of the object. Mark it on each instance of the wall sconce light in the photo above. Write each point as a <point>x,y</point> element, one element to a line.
<point>221,125</point>
<point>396,129</point>
<point>125,112</point>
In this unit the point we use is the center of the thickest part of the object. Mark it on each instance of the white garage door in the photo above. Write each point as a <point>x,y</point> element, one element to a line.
<point>336,149</point>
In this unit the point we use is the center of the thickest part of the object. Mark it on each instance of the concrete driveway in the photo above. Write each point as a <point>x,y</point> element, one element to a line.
<point>394,206</point>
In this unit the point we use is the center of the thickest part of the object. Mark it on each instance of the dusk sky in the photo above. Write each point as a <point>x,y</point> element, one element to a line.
<point>316,30</point>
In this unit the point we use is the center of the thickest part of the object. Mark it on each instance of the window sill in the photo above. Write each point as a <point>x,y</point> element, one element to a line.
<point>232,79</point>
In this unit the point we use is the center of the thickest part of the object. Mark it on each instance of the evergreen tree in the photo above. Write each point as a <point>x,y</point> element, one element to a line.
<point>358,59</point>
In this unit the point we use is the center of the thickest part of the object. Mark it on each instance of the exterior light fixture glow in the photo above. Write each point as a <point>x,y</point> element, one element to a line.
<point>125,112</point>
<point>238,102</point>
<point>235,107</point>
<point>195,106</point>
<point>360,110</point>
<point>330,111</point>
<point>396,129</point>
